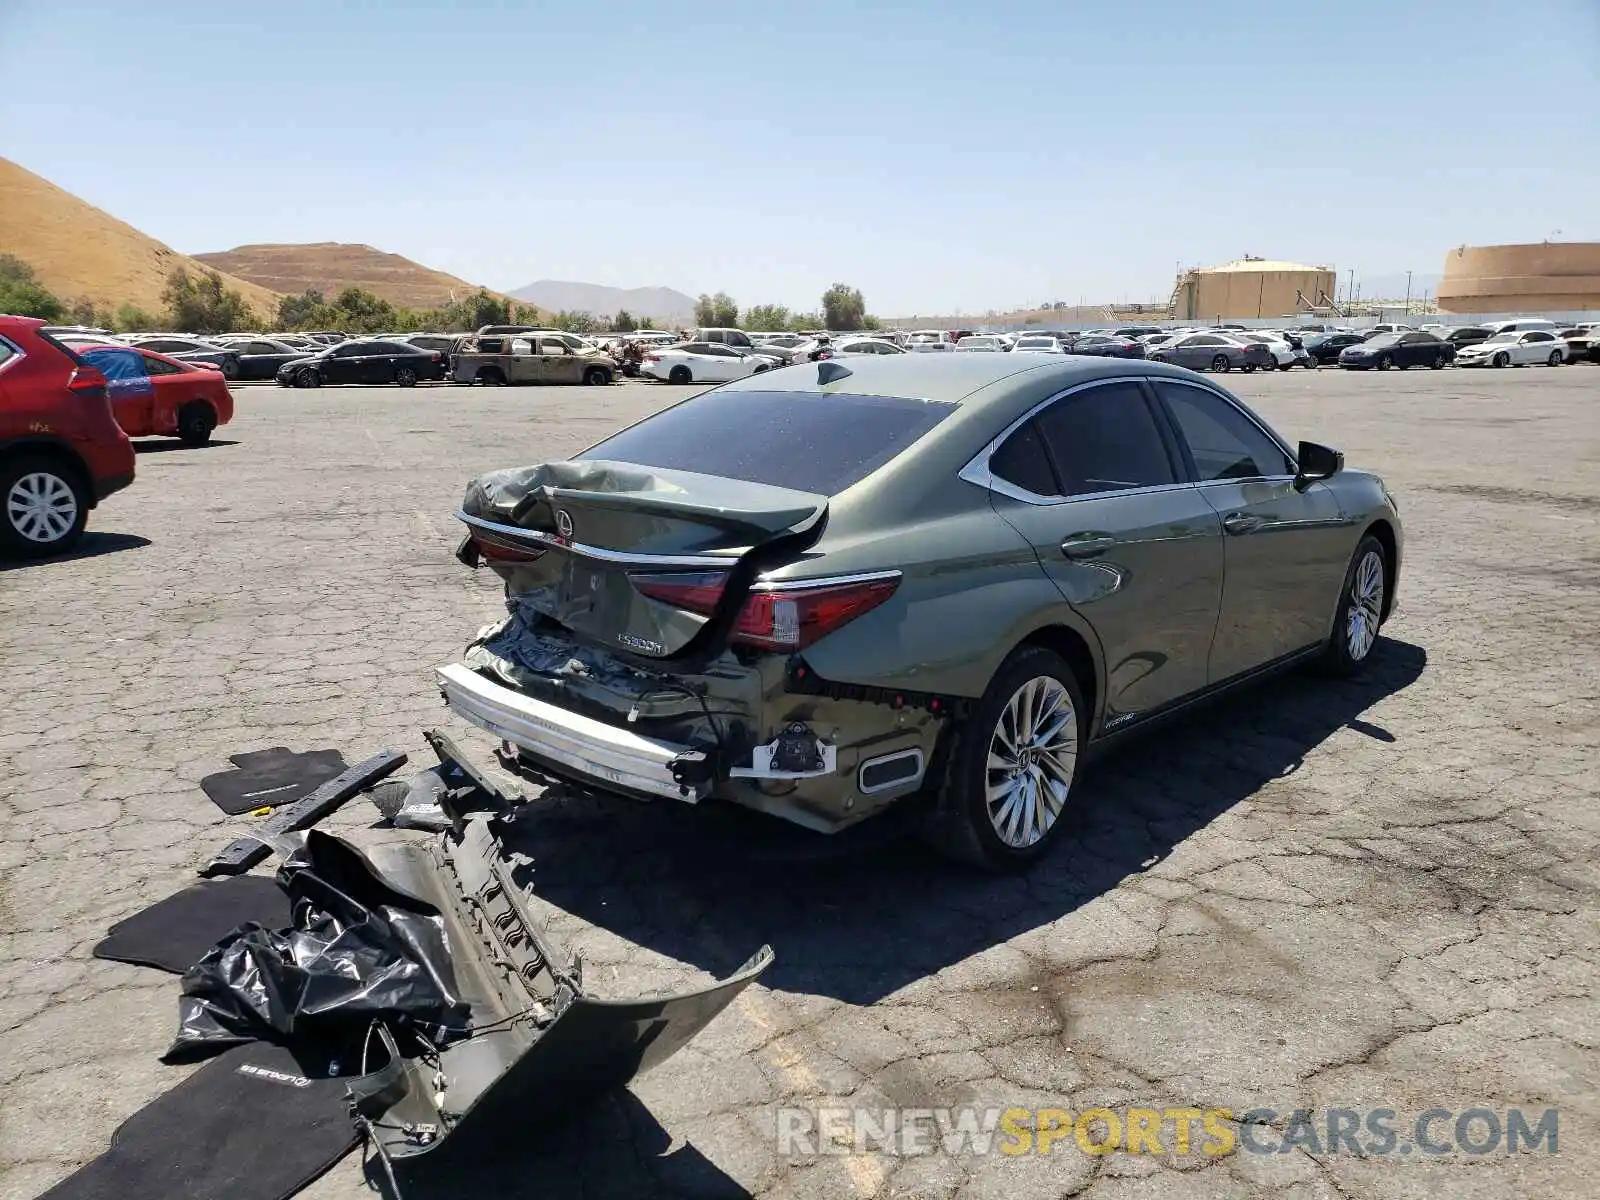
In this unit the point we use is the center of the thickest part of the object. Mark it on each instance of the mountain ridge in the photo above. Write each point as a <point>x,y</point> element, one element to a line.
<point>664,305</point>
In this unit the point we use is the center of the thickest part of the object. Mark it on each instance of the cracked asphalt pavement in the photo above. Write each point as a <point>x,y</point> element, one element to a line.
<point>1379,893</point>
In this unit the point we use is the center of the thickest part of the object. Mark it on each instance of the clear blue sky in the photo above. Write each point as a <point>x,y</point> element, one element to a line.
<point>935,154</point>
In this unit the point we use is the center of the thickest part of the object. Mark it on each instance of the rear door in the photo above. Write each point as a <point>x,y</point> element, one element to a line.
<point>524,364</point>
<point>1284,550</point>
<point>128,385</point>
<point>1098,489</point>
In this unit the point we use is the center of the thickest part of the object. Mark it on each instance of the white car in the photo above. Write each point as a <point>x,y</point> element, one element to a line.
<point>1283,354</point>
<point>981,343</point>
<point>927,341</point>
<point>1513,349</point>
<point>703,362</point>
<point>1034,344</point>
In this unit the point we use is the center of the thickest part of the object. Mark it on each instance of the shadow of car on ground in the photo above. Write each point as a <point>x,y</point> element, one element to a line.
<point>90,545</point>
<point>691,885</point>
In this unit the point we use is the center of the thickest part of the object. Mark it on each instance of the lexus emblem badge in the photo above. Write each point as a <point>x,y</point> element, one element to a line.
<point>563,525</point>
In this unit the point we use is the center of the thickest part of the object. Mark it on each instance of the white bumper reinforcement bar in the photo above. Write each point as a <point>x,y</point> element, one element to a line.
<point>590,749</point>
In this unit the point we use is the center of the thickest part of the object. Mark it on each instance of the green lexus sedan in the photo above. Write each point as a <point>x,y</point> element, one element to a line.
<point>830,588</point>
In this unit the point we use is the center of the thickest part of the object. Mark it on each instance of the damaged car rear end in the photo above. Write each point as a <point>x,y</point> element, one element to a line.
<point>690,607</point>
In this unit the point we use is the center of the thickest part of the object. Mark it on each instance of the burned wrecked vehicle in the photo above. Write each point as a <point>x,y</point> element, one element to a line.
<point>823,590</point>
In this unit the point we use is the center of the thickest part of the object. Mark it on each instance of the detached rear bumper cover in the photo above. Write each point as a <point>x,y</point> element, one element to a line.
<point>569,742</point>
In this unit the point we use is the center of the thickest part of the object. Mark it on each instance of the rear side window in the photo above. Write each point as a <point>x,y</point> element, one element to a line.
<point>7,353</point>
<point>810,441</point>
<point>1021,461</point>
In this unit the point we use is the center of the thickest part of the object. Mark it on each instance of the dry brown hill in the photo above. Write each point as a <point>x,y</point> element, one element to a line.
<point>330,266</point>
<point>82,253</point>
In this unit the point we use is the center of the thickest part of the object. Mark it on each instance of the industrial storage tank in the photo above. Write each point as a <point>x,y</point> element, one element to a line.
<point>1540,277</point>
<point>1251,287</point>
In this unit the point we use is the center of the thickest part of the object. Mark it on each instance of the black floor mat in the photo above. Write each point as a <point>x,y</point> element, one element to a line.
<point>248,1126</point>
<point>175,933</point>
<point>269,778</point>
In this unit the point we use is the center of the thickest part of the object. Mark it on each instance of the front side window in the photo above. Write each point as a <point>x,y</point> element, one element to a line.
<point>156,367</point>
<point>1224,443</point>
<point>1105,439</point>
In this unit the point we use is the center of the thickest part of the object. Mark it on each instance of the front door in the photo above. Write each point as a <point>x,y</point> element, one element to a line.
<point>557,362</point>
<point>1284,550</point>
<point>1098,491</point>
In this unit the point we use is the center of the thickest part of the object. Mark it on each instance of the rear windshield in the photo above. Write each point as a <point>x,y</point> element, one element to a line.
<point>809,441</point>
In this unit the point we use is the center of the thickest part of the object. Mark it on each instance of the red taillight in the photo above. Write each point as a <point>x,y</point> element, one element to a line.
<point>434,357</point>
<point>493,552</point>
<point>793,619</point>
<point>781,620</point>
<point>697,591</point>
<point>652,358</point>
<point>88,382</point>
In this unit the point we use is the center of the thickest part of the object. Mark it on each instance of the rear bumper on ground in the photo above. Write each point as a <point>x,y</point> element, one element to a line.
<point>570,742</point>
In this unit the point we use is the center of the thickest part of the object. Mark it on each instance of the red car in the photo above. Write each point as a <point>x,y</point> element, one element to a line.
<point>153,395</point>
<point>61,449</point>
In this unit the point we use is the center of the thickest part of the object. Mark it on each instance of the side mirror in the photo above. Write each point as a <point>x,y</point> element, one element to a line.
<point>1317,462</point>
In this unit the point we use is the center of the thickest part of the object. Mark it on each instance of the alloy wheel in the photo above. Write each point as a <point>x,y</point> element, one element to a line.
<point>1032,755</point>
<point>1366,606</point>
<point>41,507</point>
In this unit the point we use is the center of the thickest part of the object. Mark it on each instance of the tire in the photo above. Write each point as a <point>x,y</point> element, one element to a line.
<point>1221,364</point>
<point>1360,611</point>
<point>230,369</point>
<point>1556,358</point>
<point>1500,360</point>
<point>1009,834</point>
<point>1438,362</point>
<point>307,377</point>
<point>596,377</point>
<point>43,506</point>
<point>1248,368</point>
<point>1385,362</point>
<point>196,420</point>
<point>406,377</point>
<point>490,377</point>
<point>680,375</point>
<point>760,369</point>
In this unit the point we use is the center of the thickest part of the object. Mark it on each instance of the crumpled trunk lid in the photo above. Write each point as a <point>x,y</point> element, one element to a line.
<point>573,541</point>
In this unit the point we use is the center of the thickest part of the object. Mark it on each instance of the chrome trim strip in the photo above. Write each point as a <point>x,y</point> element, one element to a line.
<point>904,781</point>
<point>17,354</point>
<point>801,585</point>
<point>591,748</point>
<point>977,471</point>
<point>549,541</point>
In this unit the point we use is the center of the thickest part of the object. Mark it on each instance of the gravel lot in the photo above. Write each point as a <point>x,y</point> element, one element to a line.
<point>1375,894</point>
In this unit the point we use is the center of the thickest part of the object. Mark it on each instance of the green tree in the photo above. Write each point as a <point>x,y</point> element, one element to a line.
<point>22,295</point>
<point>575,322</point>
<point>130,317</point>
<point>527,314</point>
<point>204,305</point>
<point>360,311</point>
<point>843,308</point>
<point>767,318</point>
<point>304,311</point>
<point>84,311</point>
<point>623,322</point>
<point>718,311</point>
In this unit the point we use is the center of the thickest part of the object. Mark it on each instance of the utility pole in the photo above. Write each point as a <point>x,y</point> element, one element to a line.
<point>1408,293</point>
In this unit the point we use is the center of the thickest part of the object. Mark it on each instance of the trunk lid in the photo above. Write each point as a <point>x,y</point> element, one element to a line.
<point>573,540</point>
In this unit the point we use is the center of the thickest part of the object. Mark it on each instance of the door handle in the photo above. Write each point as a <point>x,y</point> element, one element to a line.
<point>1087,545</point>
<point>1241,523</point>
